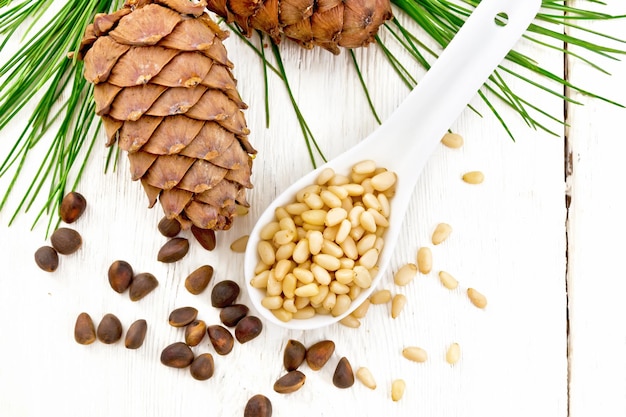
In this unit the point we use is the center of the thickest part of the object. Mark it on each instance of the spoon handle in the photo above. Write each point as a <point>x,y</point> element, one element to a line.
<point>418,124</point>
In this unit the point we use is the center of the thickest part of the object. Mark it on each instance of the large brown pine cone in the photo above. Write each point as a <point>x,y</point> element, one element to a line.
<point>325,23</point>
<point>164,90</point>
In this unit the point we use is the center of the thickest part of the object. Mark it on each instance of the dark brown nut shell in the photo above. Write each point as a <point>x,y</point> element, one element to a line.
<point>198,280</point>
<point>182,316</point>
<point>120,276</point>
<point>248,328</point>
<point>173,250</point>
<point>194,332</point>
<point>232,314</point>
<point>290,382</point>
<point>177,355</point>
<point>343,376</point>
<point>72,207</point>
<point>47,258</point>
<point>169,227</point>
<point>142,285</point>
<point>221,339</point>
<point>202,367</point>
<point>294,355</point>
<point>110,329</point>
<point>318,354</point>
<point>66,241</point>
<point>205,237</point>
<point>136,334</point>
<point>84,329</point>
<point>258,406</point>
<point>224,293</point>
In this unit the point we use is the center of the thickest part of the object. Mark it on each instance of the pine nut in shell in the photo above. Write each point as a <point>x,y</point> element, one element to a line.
<point>182,316</point>
<point>258,406</point>
<point>120,275</point>
<point>343,376</point>
<point>47,258</point>
<point>141,285</point>
<point>109,329</point>
<point>292,381</point>
<point>202,367</point>
<point>173,250</point>
<point>441,233</point>
<point>194,332</point>
<point>84,329</point>
<point>136,334</point>
<point>478,299</point>
<point>72,207</point>
<point>198,280</point>
<point>319,353</point>
<point>66,241</point>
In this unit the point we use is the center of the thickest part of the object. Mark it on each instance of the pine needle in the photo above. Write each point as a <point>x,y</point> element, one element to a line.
<point>41,72</point>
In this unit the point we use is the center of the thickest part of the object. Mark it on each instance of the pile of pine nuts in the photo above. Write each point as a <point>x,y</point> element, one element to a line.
<point>322,249</point>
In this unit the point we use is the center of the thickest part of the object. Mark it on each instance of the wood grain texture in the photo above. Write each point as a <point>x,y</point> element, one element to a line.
<point>595,224</point>
<point>508,241</point>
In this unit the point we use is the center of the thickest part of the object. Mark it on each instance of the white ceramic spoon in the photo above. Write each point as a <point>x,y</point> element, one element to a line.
<point>405,141</point>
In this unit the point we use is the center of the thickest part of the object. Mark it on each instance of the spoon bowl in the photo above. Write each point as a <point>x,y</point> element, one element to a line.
<point>405,141</point>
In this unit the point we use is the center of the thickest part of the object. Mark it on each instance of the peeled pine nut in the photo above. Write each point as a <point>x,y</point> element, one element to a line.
<point>397,304</point>
<point>268,231</point>
<point>325,176</point>
<point>380,297</point>
<point>322,249</point>
<point>341,305</point>
<point>266,252</point>
<point>384,180</point>
<point>307,290</point>
<point>365,376</point>
<point>239,245</point>
<point>453,354</point>
<point>424,260</point>
<point>361,310</point>
<point>350,321</point>
<point>282,314</point>
<point>272,302</point>
<point>415,354</point>
<point>441,233</point>
<point>405,274</point>
<point>452,140</point>
<point>478,299</point>
<point>397,389</point>
<point>448,280</point>
<point>474,177</point>
<point>364,167</point>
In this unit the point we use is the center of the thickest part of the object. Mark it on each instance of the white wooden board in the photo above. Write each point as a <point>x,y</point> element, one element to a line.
<point>508,241</point>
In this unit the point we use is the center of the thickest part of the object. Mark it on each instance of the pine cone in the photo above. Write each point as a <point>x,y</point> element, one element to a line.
<point>325,23</point>
<point>164,90</point>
